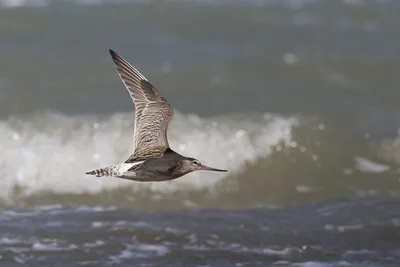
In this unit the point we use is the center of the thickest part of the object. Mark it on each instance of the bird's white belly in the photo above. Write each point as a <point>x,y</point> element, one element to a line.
<point>122,170</point>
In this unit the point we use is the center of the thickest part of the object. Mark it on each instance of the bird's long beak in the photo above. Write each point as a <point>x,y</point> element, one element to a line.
<point>206,168</point>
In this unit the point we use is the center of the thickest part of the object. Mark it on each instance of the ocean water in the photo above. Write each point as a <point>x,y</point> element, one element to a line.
<point>298,99</point>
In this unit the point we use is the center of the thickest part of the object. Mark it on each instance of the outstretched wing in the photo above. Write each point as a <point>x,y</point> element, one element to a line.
<point>153,112</point>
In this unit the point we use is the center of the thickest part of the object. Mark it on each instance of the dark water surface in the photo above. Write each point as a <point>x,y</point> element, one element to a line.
<point>358,233</point>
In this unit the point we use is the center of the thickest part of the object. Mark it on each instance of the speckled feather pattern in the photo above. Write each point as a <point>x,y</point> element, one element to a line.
<point>153,112</point>
<point>152,116</point>
<point>115,170</point>
<point>152,159</point>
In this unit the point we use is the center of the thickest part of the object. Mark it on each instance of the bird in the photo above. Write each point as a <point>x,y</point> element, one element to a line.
<point>152,159</point>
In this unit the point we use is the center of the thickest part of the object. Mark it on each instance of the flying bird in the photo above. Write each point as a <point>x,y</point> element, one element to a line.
<point>152,158</point>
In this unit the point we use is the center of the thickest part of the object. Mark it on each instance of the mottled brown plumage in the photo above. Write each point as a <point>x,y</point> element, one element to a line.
<point>152,158</point>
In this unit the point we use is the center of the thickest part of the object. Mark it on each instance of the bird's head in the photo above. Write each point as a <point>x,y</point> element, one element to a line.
<point>190,164</point>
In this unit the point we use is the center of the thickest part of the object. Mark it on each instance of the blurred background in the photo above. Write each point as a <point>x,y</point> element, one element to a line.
<point>299,99</point>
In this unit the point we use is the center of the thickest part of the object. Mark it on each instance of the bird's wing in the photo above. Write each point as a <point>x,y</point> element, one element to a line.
<point>153,112</point>
<point>162,162</point>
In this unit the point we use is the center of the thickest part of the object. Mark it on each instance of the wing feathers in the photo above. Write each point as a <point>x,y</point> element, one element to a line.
<point>153,112</point>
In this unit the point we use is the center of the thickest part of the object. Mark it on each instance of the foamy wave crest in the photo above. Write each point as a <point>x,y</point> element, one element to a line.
<point>50,152</point>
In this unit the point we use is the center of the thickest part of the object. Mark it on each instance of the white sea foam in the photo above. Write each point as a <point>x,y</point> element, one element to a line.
<point>97,224</point>
<point>95,208</point>
<point>158,250</point>
<point>51,152</point>
<point>10,241</point>
<point>11,213</point>
<point>96,243</point>
<point>45,247</point>
<point>366,165</point>
<point>235,247</point>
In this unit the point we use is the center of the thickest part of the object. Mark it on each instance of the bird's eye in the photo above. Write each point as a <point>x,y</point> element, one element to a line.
<point>196,162</point>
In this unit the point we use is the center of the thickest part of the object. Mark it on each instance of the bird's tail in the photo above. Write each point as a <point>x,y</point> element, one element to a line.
<point>107,171</point>
<point>115,170</point>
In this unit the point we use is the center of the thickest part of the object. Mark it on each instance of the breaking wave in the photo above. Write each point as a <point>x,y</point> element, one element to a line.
<point>50,152</point>
<point>273,160</point>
